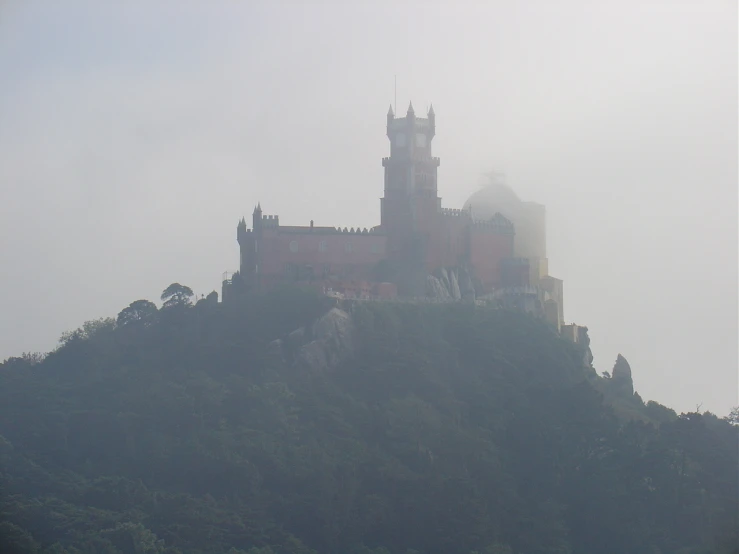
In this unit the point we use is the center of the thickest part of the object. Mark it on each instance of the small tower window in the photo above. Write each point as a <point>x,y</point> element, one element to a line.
<point>400,140</point>
<point>420,140</point>
<point>348,247</point>
<point>293,246</point>
<point>322,246</point>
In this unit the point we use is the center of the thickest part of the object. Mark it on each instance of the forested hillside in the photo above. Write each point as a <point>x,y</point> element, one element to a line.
<point>449,430</point>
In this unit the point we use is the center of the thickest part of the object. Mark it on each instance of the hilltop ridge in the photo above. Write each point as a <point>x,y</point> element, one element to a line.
<point>288,423</point>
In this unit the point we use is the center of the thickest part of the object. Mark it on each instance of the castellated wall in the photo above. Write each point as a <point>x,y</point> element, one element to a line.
<point>448,239</point>
<point>301,253</point>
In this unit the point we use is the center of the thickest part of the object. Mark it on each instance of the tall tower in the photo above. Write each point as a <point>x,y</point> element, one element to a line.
<point>249,246</point>
<point>410,206</point>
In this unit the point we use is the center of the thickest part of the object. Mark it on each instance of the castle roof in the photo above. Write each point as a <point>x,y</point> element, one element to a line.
<point>492,196</point>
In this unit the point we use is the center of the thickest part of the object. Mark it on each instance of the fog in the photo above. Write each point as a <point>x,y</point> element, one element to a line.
<point>134,137</point>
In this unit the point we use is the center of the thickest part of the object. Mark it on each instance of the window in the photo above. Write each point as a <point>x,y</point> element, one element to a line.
<point>400,140</point>
<point>348,247</point>
<point>376,249</point>
<point>322,246</point>
<point>421,140</point>
<point>293,246</point>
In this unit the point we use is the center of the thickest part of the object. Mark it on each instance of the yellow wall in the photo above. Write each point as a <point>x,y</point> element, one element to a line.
<point>555,288</point>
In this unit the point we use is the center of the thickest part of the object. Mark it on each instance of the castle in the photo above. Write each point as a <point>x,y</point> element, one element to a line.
<point>492,250</point>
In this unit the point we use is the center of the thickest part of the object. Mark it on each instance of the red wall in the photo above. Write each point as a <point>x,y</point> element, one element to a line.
<point>446,242</point>
<point>486,252</point>
<point>275,252</point>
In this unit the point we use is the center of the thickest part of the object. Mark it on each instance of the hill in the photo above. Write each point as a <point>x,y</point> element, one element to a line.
<point>282,424</point>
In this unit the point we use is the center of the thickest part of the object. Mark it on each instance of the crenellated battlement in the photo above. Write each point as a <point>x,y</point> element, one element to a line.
<point>496,224</point>
<point>271,220</point>
<point>451,212</point>
<point>357,231</point>
<point>435,161</point>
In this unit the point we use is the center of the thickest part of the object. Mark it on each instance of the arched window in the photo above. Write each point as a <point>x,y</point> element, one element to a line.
<point>293,246</point>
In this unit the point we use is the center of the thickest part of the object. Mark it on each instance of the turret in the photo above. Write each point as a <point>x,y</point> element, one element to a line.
<point>257,217</point>
<point>390,117</point>
<point>410,116</point>
<point>432,120</point>
<point>241,230</point>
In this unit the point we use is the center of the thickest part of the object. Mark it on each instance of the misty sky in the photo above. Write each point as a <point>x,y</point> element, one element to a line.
<point>134,135</point>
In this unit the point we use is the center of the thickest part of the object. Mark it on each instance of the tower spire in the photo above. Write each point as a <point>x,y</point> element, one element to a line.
<point>390,111</point>
<point>410,109</point>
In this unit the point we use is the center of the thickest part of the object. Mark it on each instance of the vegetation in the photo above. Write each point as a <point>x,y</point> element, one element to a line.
<point>451,430</point>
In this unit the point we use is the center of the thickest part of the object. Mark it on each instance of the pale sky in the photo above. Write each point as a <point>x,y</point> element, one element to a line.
<point>134,135</point>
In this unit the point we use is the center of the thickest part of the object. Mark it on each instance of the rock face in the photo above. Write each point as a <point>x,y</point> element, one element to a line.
<point>333,340</point>
<point>450,284</point>
<point>466,288</point>
<point>435,289</point>
<point>454,286</point>
<point>276,350</point>
<point>584,339</point>
<point>621,375</point>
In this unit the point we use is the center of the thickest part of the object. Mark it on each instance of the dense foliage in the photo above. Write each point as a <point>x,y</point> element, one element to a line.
<point>451,430</point>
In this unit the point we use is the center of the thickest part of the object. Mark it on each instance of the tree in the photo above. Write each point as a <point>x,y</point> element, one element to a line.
<point>141,311</point>
<point>733,416</point>
<point>88,330</point>
<point>176,295</point>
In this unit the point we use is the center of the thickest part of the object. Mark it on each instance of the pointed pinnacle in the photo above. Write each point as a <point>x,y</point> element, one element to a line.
<point>410,108</point>
<point>390,111</point>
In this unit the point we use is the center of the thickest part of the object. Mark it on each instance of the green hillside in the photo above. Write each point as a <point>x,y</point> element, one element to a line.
<point>443,429</point>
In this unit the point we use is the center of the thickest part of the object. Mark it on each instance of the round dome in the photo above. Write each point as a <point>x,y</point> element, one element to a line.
<point>528,218</point>
<point>493,198</point>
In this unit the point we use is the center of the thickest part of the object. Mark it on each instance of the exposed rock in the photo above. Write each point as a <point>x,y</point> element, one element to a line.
<point>276,350</point>
<point>333,341</point>
<point>622,374</point>
<point>584,339</point>
<point>445,279</point>
<point>436,289</point>
<point>454,286</point>
<point>297,338</point>
<point>466,288</point>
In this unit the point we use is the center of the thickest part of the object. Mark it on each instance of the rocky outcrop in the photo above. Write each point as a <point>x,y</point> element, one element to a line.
<point>436,289</point>
<point>466,288</point>
<point>450,284</point>
<point>332,341</point>
<point>276,351</point>
<point>621,375</point>
<point>584,340</point>
<point>454,286</point>
<point>323,346</point>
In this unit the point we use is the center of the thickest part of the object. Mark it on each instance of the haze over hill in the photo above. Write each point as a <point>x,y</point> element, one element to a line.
<point>292,423</point>
<point>134,137</point>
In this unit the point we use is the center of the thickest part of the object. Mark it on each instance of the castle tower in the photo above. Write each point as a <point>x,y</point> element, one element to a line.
<point>249,246</point>
<point>410,204</point>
